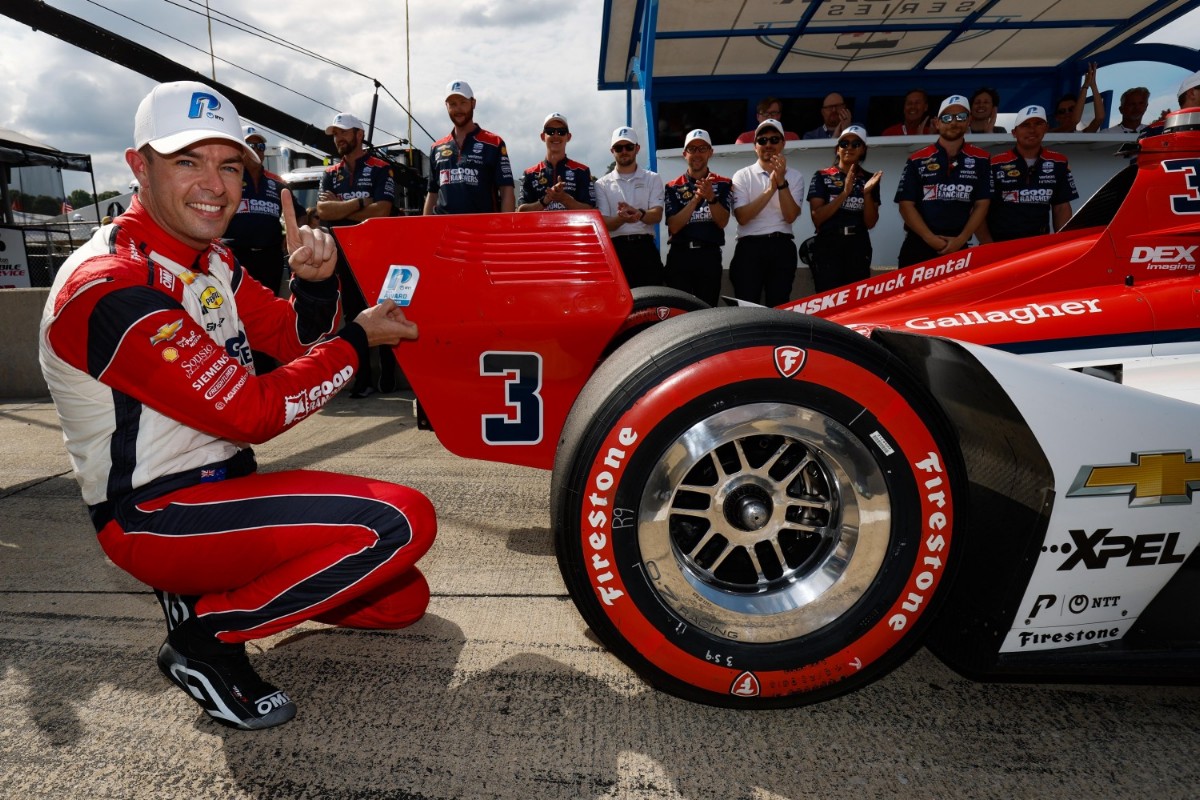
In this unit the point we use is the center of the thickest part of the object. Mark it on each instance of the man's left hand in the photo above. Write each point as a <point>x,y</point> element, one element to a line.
<point>312,254</point>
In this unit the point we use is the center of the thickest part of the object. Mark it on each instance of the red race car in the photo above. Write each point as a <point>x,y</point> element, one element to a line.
<point>764,507</point>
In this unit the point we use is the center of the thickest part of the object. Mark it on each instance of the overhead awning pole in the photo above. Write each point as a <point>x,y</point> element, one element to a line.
<point>644,74</point>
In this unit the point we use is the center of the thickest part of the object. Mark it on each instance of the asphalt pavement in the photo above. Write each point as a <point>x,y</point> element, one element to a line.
<point>500,691</point>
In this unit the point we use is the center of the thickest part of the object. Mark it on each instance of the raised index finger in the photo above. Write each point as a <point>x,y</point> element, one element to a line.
<point>290,226</point>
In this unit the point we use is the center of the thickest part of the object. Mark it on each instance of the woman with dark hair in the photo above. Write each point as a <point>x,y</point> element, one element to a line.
<point>844,203</point>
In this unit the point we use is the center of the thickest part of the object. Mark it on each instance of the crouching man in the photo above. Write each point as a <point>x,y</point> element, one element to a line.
<point>146,346</point>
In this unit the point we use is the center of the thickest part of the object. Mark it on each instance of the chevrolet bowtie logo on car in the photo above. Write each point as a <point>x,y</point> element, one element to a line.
<point>1153,479</point>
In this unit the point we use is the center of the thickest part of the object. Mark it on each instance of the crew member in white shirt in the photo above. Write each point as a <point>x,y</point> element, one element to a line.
<point>767,198</point>
<point>631,202</point>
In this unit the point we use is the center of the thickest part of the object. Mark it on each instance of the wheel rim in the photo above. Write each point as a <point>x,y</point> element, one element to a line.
<point>764,522</point>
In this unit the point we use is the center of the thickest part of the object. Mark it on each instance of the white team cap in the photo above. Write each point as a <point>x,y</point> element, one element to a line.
<point>179,114</point>
<point>555,117</point>
<point>1190,82</point>
<point>250,131</point>
<point>623,134</point>
<point>954,100</point>
<point>769,123</point>
<point>1028,113</point>
<point>700,134</point>
<point>460,88</point>
<point>856,130</point>
<point>345,122</point>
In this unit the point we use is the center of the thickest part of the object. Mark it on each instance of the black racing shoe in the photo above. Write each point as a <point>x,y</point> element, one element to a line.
<point>227,688</point>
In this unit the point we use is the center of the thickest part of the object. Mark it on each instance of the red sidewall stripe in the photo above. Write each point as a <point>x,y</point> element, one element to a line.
<point>899,423</point>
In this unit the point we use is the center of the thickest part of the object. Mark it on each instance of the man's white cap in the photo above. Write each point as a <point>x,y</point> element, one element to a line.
<point>179,114</point>
<point>461,88</point>
<point>553,117</point>
<point>954,100</point>
<point>857,130</point>
<point>346,122</point>
<point>624,134</point>
<point>250,130</point>
<point>769,123</point>
<point>1190,82</point>
<point>700,134</point>
<point>1030,112</point>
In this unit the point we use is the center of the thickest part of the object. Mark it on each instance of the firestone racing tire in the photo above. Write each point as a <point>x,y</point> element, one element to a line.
<point>652,305</point>
<point>756,509</point>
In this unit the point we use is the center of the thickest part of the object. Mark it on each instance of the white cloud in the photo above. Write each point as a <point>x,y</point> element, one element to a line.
<point>523,60</point>
<point>529,60</point>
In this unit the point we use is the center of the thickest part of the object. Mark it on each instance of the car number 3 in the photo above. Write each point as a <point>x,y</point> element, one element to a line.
<point>522,422</point>
<point>1190,167</point>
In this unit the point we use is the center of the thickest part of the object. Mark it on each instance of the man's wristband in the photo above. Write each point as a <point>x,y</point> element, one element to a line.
<point>641,214</point>
<point>783,185</point>
<point>362,203</point>
<point>543,202</point>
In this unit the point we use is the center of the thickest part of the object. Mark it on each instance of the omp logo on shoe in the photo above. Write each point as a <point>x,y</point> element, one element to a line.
<point>789,360</point>
<point>1153,479</point>
<point>265,705</point>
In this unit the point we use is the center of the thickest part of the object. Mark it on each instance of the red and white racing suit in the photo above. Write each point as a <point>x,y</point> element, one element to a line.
<point>145,345</point>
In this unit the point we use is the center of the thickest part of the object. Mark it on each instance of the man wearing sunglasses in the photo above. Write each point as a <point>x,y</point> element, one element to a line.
<point>631,202</point>
<point>1069,108</point>
<point>944,190</point>
<point>1032,187</point>
<point>558,183</point>
<point>767,197</point>
<point>255,234</point>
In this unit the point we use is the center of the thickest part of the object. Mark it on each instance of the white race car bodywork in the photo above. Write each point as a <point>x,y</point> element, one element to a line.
<point>1123,520</point>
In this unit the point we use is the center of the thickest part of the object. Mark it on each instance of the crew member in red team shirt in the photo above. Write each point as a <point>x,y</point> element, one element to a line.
<point>1032,187</point>
<point>469,168</point>
<point>145,344</point>
<point>944,190</point>
<point>557,183</point>
<point>353,190</point>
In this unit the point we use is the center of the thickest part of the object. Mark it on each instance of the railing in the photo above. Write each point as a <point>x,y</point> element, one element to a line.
<point>47,246</point>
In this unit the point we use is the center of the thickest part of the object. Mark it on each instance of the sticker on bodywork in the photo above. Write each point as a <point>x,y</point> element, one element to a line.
<point>400,284</point>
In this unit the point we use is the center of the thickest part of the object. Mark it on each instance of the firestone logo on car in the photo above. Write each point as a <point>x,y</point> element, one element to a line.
<point>746,685</point>
<point>789,360</point>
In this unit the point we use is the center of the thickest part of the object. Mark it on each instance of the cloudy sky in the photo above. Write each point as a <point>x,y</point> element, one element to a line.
<point>524,60</point>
